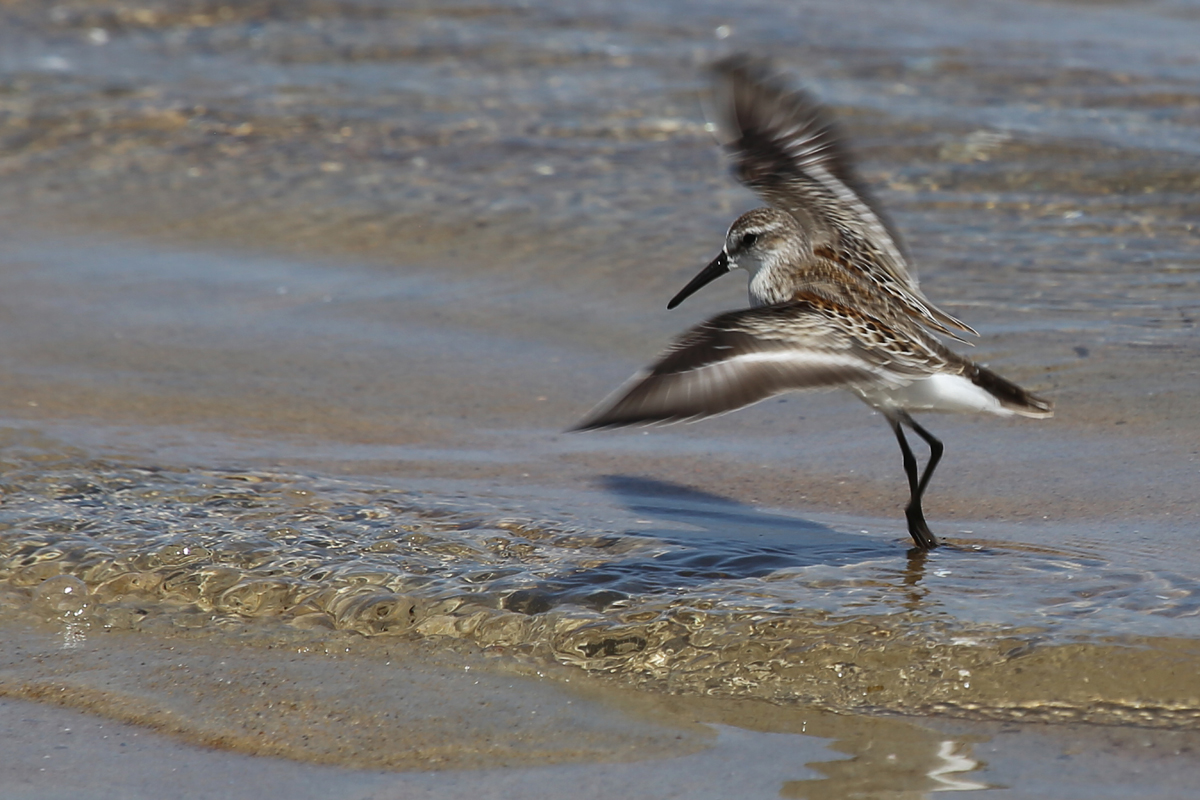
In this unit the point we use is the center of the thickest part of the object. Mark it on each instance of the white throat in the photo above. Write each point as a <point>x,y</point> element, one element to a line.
<point>767,283</point>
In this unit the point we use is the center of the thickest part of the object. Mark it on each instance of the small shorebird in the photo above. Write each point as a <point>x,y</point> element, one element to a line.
<point>833,305</point>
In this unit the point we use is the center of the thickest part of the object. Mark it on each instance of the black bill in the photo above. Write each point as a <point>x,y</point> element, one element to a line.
<point>718,267</point>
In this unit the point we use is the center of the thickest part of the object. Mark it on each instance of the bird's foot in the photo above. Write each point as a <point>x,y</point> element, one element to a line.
<point>919,530</point>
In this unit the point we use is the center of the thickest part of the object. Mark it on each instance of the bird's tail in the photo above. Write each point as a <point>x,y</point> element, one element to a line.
<point>1011,397</point>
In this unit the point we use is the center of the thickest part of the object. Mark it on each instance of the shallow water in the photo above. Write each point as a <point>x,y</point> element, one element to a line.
<point>688,594</point>
<point>297,301</point>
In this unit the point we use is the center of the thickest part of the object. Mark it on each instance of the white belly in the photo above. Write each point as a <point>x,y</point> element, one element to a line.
<point>951,393</point>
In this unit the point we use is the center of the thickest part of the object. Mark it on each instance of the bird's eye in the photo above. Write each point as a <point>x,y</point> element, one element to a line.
<point>749,239</point>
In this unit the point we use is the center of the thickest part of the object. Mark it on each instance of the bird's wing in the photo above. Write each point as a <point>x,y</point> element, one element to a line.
<point>790,152</point>
<point>742,357</point>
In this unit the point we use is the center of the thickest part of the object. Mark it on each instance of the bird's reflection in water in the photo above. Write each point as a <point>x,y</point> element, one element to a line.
<point>914,573</point>
<point>895,768</point>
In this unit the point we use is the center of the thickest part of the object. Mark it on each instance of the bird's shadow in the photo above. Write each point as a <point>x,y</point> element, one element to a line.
<point>705,538</point>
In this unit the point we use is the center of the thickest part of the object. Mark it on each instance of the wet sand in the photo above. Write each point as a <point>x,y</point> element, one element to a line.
<point>745,749</point>
<point>400,706</point>
<point>316,290</point>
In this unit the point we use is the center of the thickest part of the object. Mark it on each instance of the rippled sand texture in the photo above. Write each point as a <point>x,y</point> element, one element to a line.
<point>296,300</point>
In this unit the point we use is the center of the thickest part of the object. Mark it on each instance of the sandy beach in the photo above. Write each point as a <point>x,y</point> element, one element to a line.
<point>297,302</point>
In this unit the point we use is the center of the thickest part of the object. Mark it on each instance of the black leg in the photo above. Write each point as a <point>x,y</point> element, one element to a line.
<point>917,527</point>
<point>936,448</point>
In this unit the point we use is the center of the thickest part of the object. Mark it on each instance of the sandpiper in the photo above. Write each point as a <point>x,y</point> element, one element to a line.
<point>833,305</point>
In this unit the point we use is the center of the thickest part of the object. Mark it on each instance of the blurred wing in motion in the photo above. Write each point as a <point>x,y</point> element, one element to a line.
<point>742,357</point>
<point>790,152</point>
